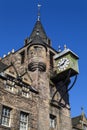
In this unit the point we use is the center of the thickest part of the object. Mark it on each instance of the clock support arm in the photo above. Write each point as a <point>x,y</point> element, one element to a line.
<point>68,89</point>
<point>60,87</point>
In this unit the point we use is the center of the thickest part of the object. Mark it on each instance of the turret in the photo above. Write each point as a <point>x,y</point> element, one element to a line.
<point>37,48</point>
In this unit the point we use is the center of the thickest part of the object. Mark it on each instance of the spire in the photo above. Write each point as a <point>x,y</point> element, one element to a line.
<point>38,12</point>
<point>39,30</point>
<point>82,111</point>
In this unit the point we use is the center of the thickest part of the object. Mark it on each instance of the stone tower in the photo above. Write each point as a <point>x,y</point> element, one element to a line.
<point>28,87</point>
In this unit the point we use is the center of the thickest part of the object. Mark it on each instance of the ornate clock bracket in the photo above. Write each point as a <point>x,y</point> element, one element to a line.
<point>59,88</point>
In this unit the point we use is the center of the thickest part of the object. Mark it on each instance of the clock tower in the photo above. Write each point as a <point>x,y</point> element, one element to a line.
<point>35,83</point>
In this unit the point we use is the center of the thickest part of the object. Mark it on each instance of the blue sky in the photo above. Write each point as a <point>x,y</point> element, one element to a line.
<point>65,22</point>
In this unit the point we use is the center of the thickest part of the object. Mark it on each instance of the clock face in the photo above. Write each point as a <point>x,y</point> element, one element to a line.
<point>63,64</point>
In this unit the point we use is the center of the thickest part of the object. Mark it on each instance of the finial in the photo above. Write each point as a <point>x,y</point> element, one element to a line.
<point>59,48</point>
<point>13,50</point>
<point>8,53</point>
<point>38,11</point>
<point>82,110</point>
<point>4,56</point>
<point>65,47</point>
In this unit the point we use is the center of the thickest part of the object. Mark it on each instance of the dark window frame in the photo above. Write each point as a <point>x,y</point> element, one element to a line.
<point>22,56</point>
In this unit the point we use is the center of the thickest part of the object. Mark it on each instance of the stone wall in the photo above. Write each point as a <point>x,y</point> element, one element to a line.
<point>38,105</point>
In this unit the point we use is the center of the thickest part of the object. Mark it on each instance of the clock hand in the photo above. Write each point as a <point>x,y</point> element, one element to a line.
<point>63,63</point>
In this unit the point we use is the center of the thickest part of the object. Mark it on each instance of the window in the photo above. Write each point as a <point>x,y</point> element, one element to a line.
<point>52,121</point>
<point>38,51</point>
<point>9,85</point>
<point>22,57</point>
<point>25,94</point>
<point>5,120</point>
<point>25,91</point>
<point>52,90</point>
<point>51,60</point>
<point>23,121</point>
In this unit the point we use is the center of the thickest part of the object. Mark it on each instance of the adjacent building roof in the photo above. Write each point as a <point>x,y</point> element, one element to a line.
<point>76,120</point>
<point>79,122</point>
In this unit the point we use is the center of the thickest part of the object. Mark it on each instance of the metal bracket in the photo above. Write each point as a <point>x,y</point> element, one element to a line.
<point>60,87</point>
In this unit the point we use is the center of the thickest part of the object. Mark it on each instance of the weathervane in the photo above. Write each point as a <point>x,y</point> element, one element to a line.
<point>82,110</point>
<point>39,5</point>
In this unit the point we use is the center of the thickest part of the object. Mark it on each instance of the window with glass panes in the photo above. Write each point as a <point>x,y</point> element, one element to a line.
<point>52,121</point>
<point>23,121</point>
<point>25,94</point>
<point>5,120</point>
<point>9,85</point>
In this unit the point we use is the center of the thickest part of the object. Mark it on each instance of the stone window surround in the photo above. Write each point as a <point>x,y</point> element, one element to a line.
<point>10,86</point>
<point>6,116</point>
<point>8,113</point>
<point>23,121</point>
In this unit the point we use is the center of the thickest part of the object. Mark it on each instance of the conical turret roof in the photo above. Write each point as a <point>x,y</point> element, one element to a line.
<point>38,31</point>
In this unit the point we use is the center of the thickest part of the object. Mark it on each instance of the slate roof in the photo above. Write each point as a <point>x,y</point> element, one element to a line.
<point>38,28</point>
<point>2,66</point>
<point>38,33</point>
<point>38,40</point>
<point>76,120</point>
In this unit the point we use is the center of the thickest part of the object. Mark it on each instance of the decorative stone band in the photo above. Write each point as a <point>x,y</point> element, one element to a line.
<point>33,66</point>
